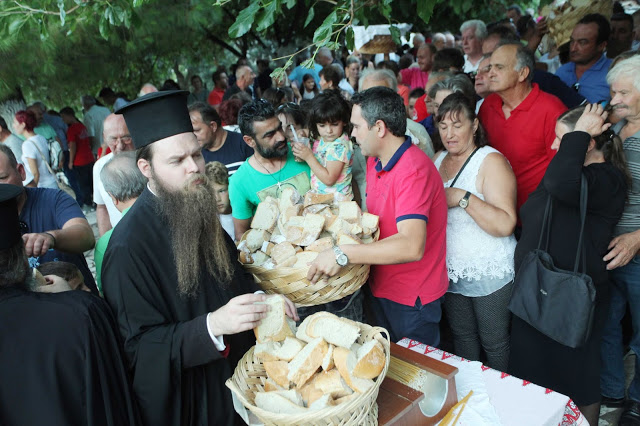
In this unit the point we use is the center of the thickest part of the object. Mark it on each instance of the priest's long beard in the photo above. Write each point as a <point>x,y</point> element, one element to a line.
<point>197,238</point>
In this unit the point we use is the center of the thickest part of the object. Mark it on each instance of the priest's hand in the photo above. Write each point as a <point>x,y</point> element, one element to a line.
<point>240,314</point>
<point>290,307</point>
<point>36,245</point>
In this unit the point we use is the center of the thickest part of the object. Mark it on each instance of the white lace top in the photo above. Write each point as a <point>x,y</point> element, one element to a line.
<point>473,254</point>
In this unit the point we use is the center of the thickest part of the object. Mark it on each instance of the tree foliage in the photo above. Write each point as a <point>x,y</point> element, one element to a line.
<point>57,50</point>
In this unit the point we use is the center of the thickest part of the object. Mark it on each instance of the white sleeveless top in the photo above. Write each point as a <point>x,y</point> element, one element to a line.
<point>473,254</point>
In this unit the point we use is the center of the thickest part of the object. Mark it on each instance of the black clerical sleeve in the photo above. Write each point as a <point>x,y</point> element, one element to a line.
<point>564,173</point>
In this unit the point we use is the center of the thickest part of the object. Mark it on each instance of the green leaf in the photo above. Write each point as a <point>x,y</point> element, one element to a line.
<point>425,9</point>
<point>44,32</point>
<point>16,24</point>
<point>333,45</point>
<point>350,38</point>
<point>385,10</point>
<point>103,26</point>
<point>138,3</point>
<point>309,17</point>
<point>268,15</point>
<point>466,5</point>
<point>290,3</point>
<point>395,34</point>
<point>63,12</point>
<point>324,31</point>
<point>244,21</point>
<point>308,63</point>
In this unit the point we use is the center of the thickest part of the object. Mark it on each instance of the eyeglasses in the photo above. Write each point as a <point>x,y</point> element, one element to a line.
<point>126,139</point>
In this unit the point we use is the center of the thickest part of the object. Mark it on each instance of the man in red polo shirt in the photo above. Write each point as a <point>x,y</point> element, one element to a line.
<point>518,117</point>
<point>409,276</point>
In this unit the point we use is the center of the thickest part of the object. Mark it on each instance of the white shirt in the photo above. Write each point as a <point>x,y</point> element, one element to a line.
<point>41,155</point>
<point>100,196</point>
<point>226,220</point>
<point>470,66</point>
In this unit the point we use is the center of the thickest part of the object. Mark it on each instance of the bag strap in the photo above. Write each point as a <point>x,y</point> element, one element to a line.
<point>583,217</point>
<point>546,225</point>
<point>462,168</point>
<point>43,159</point>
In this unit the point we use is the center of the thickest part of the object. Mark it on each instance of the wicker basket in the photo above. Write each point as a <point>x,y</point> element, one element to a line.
<point>293,282</point>
<point>249,377</point>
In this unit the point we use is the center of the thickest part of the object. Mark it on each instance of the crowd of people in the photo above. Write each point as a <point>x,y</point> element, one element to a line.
<point>471,146</point>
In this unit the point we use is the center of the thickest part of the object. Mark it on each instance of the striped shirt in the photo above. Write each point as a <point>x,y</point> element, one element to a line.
<point>630,220</point>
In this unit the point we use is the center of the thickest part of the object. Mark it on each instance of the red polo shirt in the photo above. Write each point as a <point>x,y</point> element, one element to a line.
<point>409,187</point>
<point>421,108</point>
<point>525,137</point>
<point>215,96</point>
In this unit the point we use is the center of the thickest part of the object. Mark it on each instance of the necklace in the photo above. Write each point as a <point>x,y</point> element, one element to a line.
<point>270,173</point>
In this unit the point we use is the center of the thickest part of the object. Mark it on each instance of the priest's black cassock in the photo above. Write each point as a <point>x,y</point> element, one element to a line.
<point>178,374</point>
<point>60,361</point>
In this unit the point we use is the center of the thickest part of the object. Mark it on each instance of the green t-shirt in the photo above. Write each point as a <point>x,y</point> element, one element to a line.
<point>248,186</point>
<point>98,253</point>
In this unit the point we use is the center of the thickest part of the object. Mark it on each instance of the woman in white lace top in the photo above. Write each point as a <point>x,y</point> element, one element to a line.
<point>481,195</point>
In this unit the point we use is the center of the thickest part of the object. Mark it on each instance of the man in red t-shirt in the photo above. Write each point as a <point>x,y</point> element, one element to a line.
<point>417,77</point>
<point>518,117</point>
<point>80,156</point>
<point>221,82</point>
<point>404,189</point>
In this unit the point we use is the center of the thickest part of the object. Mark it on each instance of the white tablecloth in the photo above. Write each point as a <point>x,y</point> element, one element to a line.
<point>516,401</point>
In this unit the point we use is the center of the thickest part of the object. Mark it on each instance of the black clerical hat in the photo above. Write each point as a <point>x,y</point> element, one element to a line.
<point>156,116</point>
<point>10,229</point>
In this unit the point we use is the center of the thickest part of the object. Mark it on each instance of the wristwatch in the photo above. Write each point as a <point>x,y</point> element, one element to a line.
<point>341,258</point>
<point>464,201</point>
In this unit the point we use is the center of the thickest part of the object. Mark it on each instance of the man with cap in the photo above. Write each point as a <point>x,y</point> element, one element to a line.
<point>54,227</point>
<point>60,359</point>
<point>171,274</point>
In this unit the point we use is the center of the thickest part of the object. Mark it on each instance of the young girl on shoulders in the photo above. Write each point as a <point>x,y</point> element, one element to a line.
<point>331,155</point>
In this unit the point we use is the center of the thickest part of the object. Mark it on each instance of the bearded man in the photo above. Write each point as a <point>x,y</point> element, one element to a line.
<point>171,275</point>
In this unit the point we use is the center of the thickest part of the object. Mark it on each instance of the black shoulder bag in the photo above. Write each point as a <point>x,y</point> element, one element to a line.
<point>557,303</point>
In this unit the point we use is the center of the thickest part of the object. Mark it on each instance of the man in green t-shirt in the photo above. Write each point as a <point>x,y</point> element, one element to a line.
<point>269,170</point>
<point>124,182</point>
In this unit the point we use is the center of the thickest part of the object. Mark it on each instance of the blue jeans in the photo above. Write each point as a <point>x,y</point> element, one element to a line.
<point>625,289</point>
<point>418,322</point>
<point>72,178</point>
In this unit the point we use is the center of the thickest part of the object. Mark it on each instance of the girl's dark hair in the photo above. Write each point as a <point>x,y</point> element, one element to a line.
<point>293,110</point>
<point>275,96</point>
<point>310,77</point>
<point>329,107</point>
<point>455,104</point>
<point>608,142</point>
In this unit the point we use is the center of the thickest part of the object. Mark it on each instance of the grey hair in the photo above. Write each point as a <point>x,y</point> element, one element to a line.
<point>384,75</point>
<point>438,36</point>
<point>88,100</point>
<point>351,59</point>
<point>459,83</point>
<point>481,28</point>
<point>13,163</point>
<point>524,58</point>
<point>325,52</point>
<point>242,70</point>
<point>121,177</point>
<point>624,68</point>
<point>418,37</point>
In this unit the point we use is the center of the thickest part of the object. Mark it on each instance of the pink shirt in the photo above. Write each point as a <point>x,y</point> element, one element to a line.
<point>414,77</point>
<point>409,187</point>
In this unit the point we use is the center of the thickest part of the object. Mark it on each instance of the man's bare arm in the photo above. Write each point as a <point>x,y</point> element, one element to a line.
<point>102,215</point>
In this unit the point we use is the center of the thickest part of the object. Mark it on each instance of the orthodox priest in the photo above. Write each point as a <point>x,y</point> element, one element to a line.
<point>60,356</point>
<point>170,272</point>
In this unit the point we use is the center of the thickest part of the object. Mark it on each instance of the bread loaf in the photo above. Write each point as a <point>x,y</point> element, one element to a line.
<point>315,209</point>
<point>307,361</point>
<point>270,385</point>
<point>330,382</point>
<point>370,360</point>
<point>304,258</point>
<point>309,391</point>
<point>278,371</point>
<point>289,197</point>
<point>370,221</point>
<point>245,257</point>
<point>345,361</point>
<point>265,217</point>
<point>277,403</point>
<point>312,227</point>
<point>334,330</point>
<point>320,245</point>
<point>281,252</point>
<point>255,239</point>
<point>274,325</point>
<point>344,238</point>
<point>311,198</point>
<point>349,211</point>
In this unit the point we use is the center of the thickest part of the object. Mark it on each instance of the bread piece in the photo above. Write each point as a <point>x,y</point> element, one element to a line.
<point>347,398</point>
<point>255,238</point>
<point>311,198</point>
<point>289,349</point>
<point>287,263</point>
<point>332,383</point>
<point>313,226</point>
<point>307,361</point>
<point>345,361</point>
<point>278,371</point>
<point>304,258</point>
<point>310,393</point>
<point>266,248</point>
<point>271,200</point>
<point>344,238</point>
<point>368,240</point>
<point>334,330</point>
<point>270,385</point>
<point>301,333</point>
<point>356,229</point>
<point>315,209</point>
<point>288,197</point>
<point>281,252</point>
<point>323,402</point>
<point>294,234</point>
<point>339,226</point>
<point>370,221</point>
<point>266,351</point>
<point>265,217</point>
<point>245,257</point>
<point>320,245</point>
<point>349,211</point>
<point>370,360</point>
<point>274,325</point>
<point>327,362</point>
<point>276,403</point>
<point>259,258</point>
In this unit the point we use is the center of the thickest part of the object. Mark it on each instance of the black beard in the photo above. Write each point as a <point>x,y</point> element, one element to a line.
<point>197,238</point>
<point>272,152</point>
